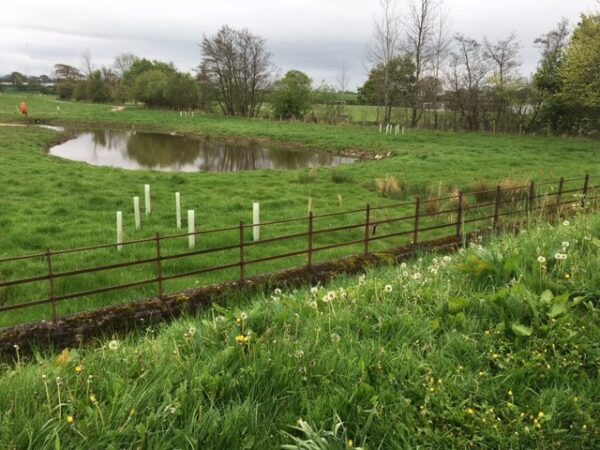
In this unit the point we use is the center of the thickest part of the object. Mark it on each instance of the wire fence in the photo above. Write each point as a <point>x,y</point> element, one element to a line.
<point>376,229</point>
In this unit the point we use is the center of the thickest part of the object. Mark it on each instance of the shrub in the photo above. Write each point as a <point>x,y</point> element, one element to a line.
<point>341,177</point>
<point>307,177</point>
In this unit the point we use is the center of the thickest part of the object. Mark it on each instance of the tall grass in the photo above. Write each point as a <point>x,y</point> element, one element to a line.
<point>491,347</point>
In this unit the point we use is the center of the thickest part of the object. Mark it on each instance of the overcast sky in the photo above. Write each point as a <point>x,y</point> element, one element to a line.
<point>314,36</point>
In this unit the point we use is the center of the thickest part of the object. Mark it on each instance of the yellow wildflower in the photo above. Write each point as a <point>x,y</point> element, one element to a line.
<point>470,411</point>
<point>70,420</point>
<point>78,369</point>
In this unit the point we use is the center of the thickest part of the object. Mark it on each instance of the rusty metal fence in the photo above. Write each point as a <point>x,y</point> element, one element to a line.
<point>469,211</point>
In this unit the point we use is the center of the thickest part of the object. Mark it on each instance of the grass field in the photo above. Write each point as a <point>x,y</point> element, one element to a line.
<point>48,202</point>
<point>493,347</point>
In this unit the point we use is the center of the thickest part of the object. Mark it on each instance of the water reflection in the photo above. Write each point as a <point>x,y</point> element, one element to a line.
<point>138,150</point>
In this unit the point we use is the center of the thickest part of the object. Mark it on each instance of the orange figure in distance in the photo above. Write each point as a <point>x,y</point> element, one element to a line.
<point>24,108</point>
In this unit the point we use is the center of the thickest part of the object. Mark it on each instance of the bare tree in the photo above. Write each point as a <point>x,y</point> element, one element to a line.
<point>86,63</point>
<point>468,70</point>
<point>504,56</point>
<point>238,66</point>
<point>384,47</point>
<point>123,62</point>
<point>440,50</point>
<point>342,77</point>
<point>419,42</point>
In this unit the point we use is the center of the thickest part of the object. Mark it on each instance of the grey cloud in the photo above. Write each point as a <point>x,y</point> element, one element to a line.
<point>313,36</point>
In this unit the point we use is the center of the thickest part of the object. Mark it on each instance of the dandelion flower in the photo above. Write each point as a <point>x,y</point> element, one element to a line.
<point>565,244</point>
<point>240,339</point>
<point>314,290</point>
<point>243,316</point>
<point>566,223</point>
<point>113,345</point>
<point>78,369</point>
<point>541,259</point>
<point>93,398</point>
<point>541,414</point>
<point>470,411</point>
<point>335,338</point>
<point>277,291</point>
<point>388,288</point>
<point>70,420</point>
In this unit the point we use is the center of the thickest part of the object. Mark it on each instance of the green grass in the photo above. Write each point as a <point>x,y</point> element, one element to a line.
<point>49,202</point>
<point>487,348</point>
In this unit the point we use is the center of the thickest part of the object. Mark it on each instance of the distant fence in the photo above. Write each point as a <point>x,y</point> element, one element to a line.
<point>484,210</point>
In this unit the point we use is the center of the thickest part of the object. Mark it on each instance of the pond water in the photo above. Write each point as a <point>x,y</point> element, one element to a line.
<point>153,151</point>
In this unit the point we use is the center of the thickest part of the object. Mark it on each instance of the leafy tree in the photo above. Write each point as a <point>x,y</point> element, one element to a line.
<point>580,71</point>
<point>292,95</point>
<point>547,79</point>
<point>139,67</point>
<point>150,87</point>
<point>181,91</point>
<point>391,85</point>
<point>96,88</point>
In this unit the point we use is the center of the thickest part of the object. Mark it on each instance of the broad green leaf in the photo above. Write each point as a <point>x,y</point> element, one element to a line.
<point>457,304</point>
<point>557,309</point>
<point>521,330</point>
<point>547,296</point>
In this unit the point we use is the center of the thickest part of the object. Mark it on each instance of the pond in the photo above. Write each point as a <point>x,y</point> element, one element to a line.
<point>136,150</point>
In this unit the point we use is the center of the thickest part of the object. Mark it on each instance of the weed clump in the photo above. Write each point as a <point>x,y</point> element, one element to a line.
<point>390,186</point>
<point>340,177</point>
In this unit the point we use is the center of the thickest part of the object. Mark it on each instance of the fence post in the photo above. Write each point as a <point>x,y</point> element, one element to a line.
<point>310,238</point>
<point>496,208</point>
<point>459,214</point>
<point>416,228</point>
<point>559,194</point>
<point>531,196</point>
<point>241,251</point>
<point>159,267</point>
<point>51,285</point>
<point>367,225</point>
<point>586,184</point>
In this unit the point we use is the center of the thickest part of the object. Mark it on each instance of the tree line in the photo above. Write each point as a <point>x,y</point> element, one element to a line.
<point>439,79</point>
<point>475,84</point>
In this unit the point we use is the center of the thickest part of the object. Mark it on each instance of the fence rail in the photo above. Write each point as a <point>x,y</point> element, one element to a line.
<point>509,201</point>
